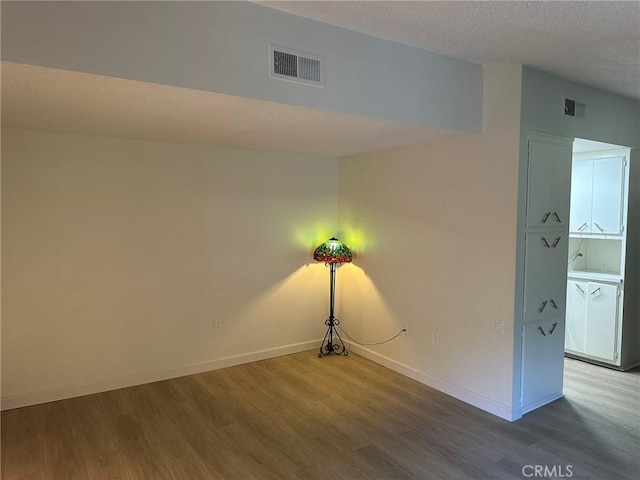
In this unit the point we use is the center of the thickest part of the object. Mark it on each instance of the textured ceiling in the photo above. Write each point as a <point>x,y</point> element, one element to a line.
<point>595,43</point>
<point>52,100</point>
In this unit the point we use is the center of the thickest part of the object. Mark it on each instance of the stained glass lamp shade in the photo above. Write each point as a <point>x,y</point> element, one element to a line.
<point>332,252</point>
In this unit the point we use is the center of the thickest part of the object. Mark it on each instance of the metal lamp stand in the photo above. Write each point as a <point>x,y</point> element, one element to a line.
<point>332,342</point>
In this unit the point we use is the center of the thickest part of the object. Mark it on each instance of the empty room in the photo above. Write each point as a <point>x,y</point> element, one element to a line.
<point>299,240</point>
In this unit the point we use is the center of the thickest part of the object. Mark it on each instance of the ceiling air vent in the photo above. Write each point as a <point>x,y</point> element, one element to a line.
<point>573,108</point>
<point>288,64</point>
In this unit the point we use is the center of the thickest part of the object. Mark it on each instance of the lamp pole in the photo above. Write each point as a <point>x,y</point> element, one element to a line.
<point>332,342</point>
<point>332,288</point>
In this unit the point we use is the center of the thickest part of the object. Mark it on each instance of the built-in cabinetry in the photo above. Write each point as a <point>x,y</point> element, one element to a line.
<point>593,320</point>
<point>545,270</point>
<point>597,194</point>
<point>542,343</point>
<point>596,256</point>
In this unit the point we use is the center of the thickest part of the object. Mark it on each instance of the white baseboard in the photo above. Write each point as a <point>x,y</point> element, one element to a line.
<point>540,403</point>
<point>17,401</point>
<point>34,398</point>
<point>486,404</point>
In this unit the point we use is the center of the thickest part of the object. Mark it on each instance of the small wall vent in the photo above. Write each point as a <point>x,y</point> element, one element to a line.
<point>288,64</point>
<point>572,108</point>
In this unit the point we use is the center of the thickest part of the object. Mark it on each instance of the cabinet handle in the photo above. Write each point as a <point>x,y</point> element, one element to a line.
<point>595,291</point>
<point>553,327</point>
<point>599,227</point>
<point>545,217</point>
<point>580,289</point>
<point>555,214</point>
<point>542,332</point>
<point>544,304</point>
<point>553,304</point>
<point>555,242</point>
<point>546,244</point>
<point>583,226</point>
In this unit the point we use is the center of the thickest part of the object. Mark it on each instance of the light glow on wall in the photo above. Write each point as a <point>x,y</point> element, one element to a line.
<point>356,238</point>
<point>308,237</point>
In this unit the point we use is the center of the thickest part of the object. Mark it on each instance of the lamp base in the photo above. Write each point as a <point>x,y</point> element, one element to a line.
<point>332,343</point>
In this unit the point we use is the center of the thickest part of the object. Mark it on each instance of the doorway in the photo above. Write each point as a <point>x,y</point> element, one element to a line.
<point>597,248</point>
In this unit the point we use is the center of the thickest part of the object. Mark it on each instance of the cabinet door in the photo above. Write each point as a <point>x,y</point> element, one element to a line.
<point>545,280</point>
<point>602,321</point>
<point>608,177</point>
<point>581,196</point>
<point>549,183</point>
<point>542,362</point>
<point>576,319</point>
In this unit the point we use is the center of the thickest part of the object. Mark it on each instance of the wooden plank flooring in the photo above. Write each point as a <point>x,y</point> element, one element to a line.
<point>302,418</point>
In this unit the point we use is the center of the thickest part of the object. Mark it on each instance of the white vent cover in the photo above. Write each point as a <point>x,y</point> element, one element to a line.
<point>288,64</point>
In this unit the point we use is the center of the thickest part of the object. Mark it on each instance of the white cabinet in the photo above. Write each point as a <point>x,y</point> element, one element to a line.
<point>593,320</point>
<point>546,274</point>
<point>576,320</point>
<point>549,180</point>
<point>602,322</point>
<point>542,362</point>
<point>597,195</point>
<point>581,196</point>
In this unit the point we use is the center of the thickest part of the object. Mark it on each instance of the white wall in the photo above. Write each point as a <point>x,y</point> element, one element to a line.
<point>433,229</point>
<point>609,118</point>
<point>223,47</point>
<point>119,255</point>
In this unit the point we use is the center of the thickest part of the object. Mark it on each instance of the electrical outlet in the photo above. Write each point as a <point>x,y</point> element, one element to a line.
<point>434,338</point>
<point>406,329</point>
<point>219,323</point>
<point>499,327</point>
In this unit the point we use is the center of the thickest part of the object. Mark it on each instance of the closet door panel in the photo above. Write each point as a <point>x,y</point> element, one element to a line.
<point>542,362</point>
<point>546,274</point>
<point>549,184</point>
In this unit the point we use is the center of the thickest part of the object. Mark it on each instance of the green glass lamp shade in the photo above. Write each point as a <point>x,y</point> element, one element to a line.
<point>332,251</point>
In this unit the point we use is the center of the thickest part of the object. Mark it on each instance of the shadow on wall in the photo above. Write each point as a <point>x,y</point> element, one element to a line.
<point>288,312</point>
<point>365,315</point>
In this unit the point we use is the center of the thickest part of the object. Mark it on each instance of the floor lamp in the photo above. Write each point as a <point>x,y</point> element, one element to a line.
<point>332,252</point>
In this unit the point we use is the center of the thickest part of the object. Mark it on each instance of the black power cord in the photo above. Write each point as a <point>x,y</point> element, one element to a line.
<point>377,343</point>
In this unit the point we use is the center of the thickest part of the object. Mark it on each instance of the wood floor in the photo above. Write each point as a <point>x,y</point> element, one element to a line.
<point>304,418</point>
